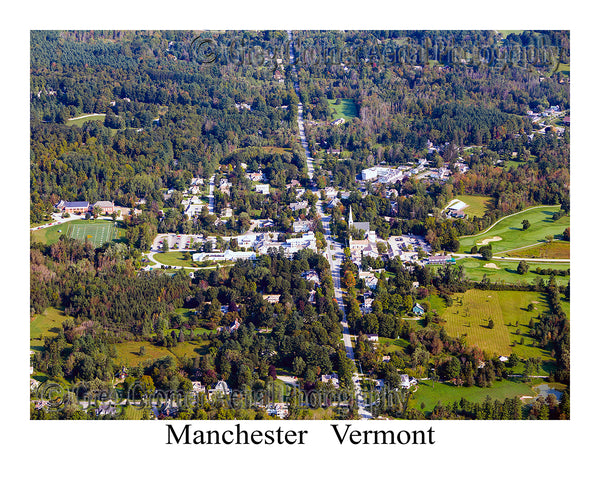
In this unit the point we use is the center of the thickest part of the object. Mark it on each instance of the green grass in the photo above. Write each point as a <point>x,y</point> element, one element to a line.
<point>446,394</point>
<point>97,117</point>
<point>393,345</point>
<point>558,249</point>
<point>128,352</point>
<point>99,229</point>
<point>469,316</point>
<point>477,204</point>
<point>98,233</point>
<point>472,310</point>
<point>46,324</point>
<point>511,232</point>
<point>507,271</point>
<point>346,109</point>
<point>174,259</point>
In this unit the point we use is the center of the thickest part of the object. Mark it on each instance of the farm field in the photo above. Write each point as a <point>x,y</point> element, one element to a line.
<point>447,394</point>
<point>558,249</point>
<point>508,233</point>
<point>471,311</point>
<point>477,204</point>
<point>499,271</point>
<point>346,109</point>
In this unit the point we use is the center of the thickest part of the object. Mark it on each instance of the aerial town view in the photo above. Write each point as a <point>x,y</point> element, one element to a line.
<point>300,225</point>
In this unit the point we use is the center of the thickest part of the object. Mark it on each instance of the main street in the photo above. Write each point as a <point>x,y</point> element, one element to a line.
<point>333,251</point>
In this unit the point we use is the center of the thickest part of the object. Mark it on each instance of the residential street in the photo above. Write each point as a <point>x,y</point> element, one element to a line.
<point>334,250</point>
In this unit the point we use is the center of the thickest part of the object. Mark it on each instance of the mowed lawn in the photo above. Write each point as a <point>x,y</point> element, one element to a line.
<point>80,229</point>
<point>509,234</point>
<point>499,271</point>
<point>346,109</point>
<point>447,394</point>
<point>88,117</point>
<point>477,204</point>
<point>97,233</point>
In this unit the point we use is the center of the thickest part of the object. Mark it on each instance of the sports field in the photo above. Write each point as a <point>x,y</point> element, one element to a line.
<point>508,233</point>
<point>96,233</point>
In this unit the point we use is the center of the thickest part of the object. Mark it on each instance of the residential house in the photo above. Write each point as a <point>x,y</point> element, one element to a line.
<point>406,381</point>
<point>272,298</point>
<point>302,226</point>
<point>372,337</point>
<point>219,388</point>
<point>298,205</point>
<point>262,188</point>
<point>418,309</point>
<point>367,306</point>
<point>332,378</point>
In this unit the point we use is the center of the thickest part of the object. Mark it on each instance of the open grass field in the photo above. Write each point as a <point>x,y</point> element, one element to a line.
<point>471,311</point>
<point>174,259</point>
<point>558,249</point>
<point>393,345</point>
<point>88,117</point>
<point>346,109</point>
<point>97,233</point>
<point>469,316</point>
<point>128,352</point>
<point>477,204</point>
<point>46,324</point>
<point>506,271</point>
<point>99,229</point>
<point>509,233</point>
<point>447,394</point>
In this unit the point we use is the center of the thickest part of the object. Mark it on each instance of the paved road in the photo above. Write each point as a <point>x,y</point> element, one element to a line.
<point>333,250</point>
<point>211,196</point>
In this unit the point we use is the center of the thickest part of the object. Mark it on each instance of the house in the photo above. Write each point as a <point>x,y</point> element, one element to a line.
<point>406,381</point>
<point>386,358</point>
<point>311,276</point>
<point>105,410</point>
<point>271,298</point>
<point>219,388</point>
<point>369,278</point>
<point>418,309</point>
<point>298,205</point>
<point>234,326</point>
<point>372,337</point>
<point>338,121</point>
<point>367,306</point>
<point>502,358</point>
<point>197,387</point>
<point>332,378</point>
<point>302,226</point>
<point>262,188</point>
<point>379,383</point>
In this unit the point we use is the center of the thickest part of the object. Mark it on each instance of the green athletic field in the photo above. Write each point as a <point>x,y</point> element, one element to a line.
<point>95,233</point>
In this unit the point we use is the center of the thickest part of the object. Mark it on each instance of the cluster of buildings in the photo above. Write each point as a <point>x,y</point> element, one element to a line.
<point>105,207</point>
